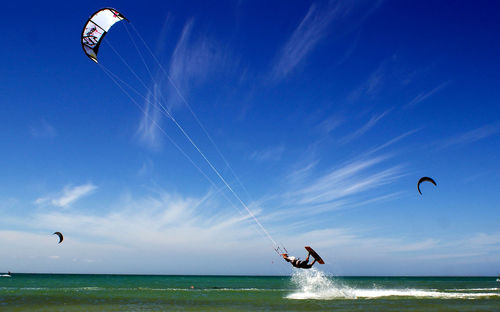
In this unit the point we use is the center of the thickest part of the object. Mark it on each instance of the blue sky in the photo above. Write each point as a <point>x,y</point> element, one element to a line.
<point>321,116</point>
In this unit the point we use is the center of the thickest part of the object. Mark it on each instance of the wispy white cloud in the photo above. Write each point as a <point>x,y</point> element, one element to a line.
<point>329,124</point>
<point>312,28</point>
<point>361,239</point>
<point>390,72</point>
<point>372,85</point>
<point>147,230</point>
<point>270,154</point>
<point>485,240</point>
<point>148,131</point>
<point>472,135</point>
<point>347,16</point>
<point>192,60</point>
<point>409,77</point>
<point>341,184</point>
<point>146,168</point>
<point>43,130</point>
<point>302,172</point>
<point>151,229</point>
<point>365,128</point>
<point>474,246</point>
<point>424,96</point>
<point>374,81</point>
<point>67,196</point>
<point>392,141</point>
<point>377,199</point>
<point>163,38</point>
<point>318,194</point>
<point>418,246</point>
<point>181,69</point>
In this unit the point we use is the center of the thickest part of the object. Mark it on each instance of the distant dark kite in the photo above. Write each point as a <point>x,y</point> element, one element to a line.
<point>425,179</point>
<point>61,237</point>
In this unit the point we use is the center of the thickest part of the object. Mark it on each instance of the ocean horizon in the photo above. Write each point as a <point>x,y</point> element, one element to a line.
<point>239,275</point>
<point>303,290</point>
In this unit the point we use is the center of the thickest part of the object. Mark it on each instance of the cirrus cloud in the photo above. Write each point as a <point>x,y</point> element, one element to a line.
<point>68,195</point>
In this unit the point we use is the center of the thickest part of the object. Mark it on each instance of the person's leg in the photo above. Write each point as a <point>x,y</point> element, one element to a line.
<point>307,259</point>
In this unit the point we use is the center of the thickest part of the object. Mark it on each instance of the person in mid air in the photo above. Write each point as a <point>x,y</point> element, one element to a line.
<point>301,264</point>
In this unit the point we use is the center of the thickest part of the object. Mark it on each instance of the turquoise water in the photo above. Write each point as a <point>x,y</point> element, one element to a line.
<point>305,290</point>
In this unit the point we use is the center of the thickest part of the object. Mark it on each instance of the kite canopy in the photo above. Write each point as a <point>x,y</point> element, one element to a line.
<point>61,237</point>
<point>96,27</point>
<point>424,179</point>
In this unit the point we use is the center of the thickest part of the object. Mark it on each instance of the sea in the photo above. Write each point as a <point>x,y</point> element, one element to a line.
<point>302,290</point>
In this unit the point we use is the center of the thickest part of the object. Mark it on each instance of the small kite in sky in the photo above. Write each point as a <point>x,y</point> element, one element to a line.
<point>61,237</point>
<point>425,179</point>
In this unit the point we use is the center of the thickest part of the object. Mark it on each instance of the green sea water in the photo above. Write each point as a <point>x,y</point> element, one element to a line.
<point>304,290</point>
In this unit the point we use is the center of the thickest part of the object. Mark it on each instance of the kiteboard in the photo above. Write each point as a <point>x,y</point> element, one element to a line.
<point>315,255</point>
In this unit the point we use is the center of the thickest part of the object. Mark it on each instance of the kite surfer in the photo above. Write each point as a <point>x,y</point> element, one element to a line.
<point>296,262</point>
<point>6,275</point>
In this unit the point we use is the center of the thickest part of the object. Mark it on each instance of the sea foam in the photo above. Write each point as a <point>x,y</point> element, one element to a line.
<point>314,284</point>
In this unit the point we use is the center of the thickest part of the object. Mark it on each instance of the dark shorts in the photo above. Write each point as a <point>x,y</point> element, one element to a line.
<point>301,264</point>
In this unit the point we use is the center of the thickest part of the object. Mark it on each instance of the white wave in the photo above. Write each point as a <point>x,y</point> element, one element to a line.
<point>473,289</point>
<point>419,293</point>
<point>314,284</point>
